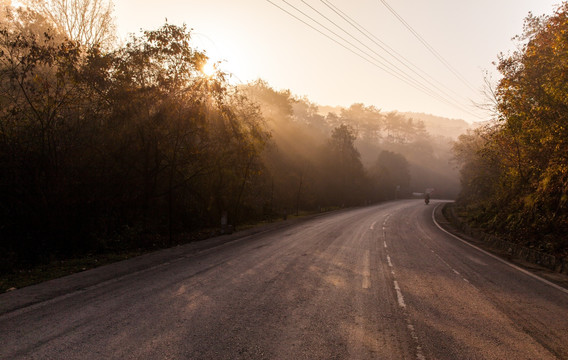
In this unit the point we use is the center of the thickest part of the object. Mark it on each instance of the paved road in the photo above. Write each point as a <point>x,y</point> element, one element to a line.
<point>380,282</point>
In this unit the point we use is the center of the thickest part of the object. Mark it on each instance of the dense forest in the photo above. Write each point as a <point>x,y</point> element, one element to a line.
<point>514,170</point>
<point>106,147</point>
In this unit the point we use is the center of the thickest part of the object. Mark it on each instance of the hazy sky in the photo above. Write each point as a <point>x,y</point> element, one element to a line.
<point>258,40</point>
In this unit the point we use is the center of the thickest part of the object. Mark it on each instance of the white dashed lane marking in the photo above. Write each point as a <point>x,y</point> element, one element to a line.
<point>400,297</point>
<point>366,270</point>
<point>449,266</point>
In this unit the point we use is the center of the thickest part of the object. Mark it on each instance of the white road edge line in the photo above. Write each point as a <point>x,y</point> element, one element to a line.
<point>558,287</point>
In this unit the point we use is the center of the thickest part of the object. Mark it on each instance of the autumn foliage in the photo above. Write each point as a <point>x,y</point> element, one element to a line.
<point>515,170</point>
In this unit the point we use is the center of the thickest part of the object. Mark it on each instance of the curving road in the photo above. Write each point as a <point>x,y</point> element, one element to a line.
<point>379,282</point>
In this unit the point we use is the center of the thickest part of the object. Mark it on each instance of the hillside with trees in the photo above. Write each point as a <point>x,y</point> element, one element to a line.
<point>107,147</point>
<point>441,126</point>
<point>514,171</point>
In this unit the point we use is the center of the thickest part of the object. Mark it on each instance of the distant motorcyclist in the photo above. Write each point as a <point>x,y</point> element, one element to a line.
<point>427,198</point>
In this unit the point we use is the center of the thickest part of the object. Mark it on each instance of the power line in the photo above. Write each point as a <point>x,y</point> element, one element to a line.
<point>329,37</point>
<point>397,56</point>
<point>399,71</point>
<point>388,49</point>
<point>375,62</point>
<point>403,77</point>
<point>429,47</point>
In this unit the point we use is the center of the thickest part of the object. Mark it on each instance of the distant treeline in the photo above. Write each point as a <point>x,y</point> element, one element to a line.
<point>105,150</point>
<point>514,170</point>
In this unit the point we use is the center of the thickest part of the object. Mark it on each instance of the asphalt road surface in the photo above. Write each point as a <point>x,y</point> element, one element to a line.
<point>381,282</point>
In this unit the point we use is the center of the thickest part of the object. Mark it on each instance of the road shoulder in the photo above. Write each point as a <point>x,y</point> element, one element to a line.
<point>559,279</point>
<point>81,281</point>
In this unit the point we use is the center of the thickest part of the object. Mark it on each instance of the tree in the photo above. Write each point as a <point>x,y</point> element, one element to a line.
<point>391,175</point>
<point>532,104</point>
<point>291,157</point>
<point>366,120</point>
<point>27,22</point>
<point>46,127</point>
<point>524,153</point>
<point>344,170</point>
<point>480,166</point>
<point>89,22</point>
<point>103,150</point>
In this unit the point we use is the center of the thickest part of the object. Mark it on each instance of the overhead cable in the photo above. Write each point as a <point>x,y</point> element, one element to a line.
<point>388,68</point>
<point>429,47</point>
<point>369,58</point>
<point>389,50</point>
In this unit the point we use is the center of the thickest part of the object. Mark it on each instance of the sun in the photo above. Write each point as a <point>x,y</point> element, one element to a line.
<point>209,68</point>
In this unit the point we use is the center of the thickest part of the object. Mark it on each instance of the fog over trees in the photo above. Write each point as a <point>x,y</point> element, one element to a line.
<point>108,148</point>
